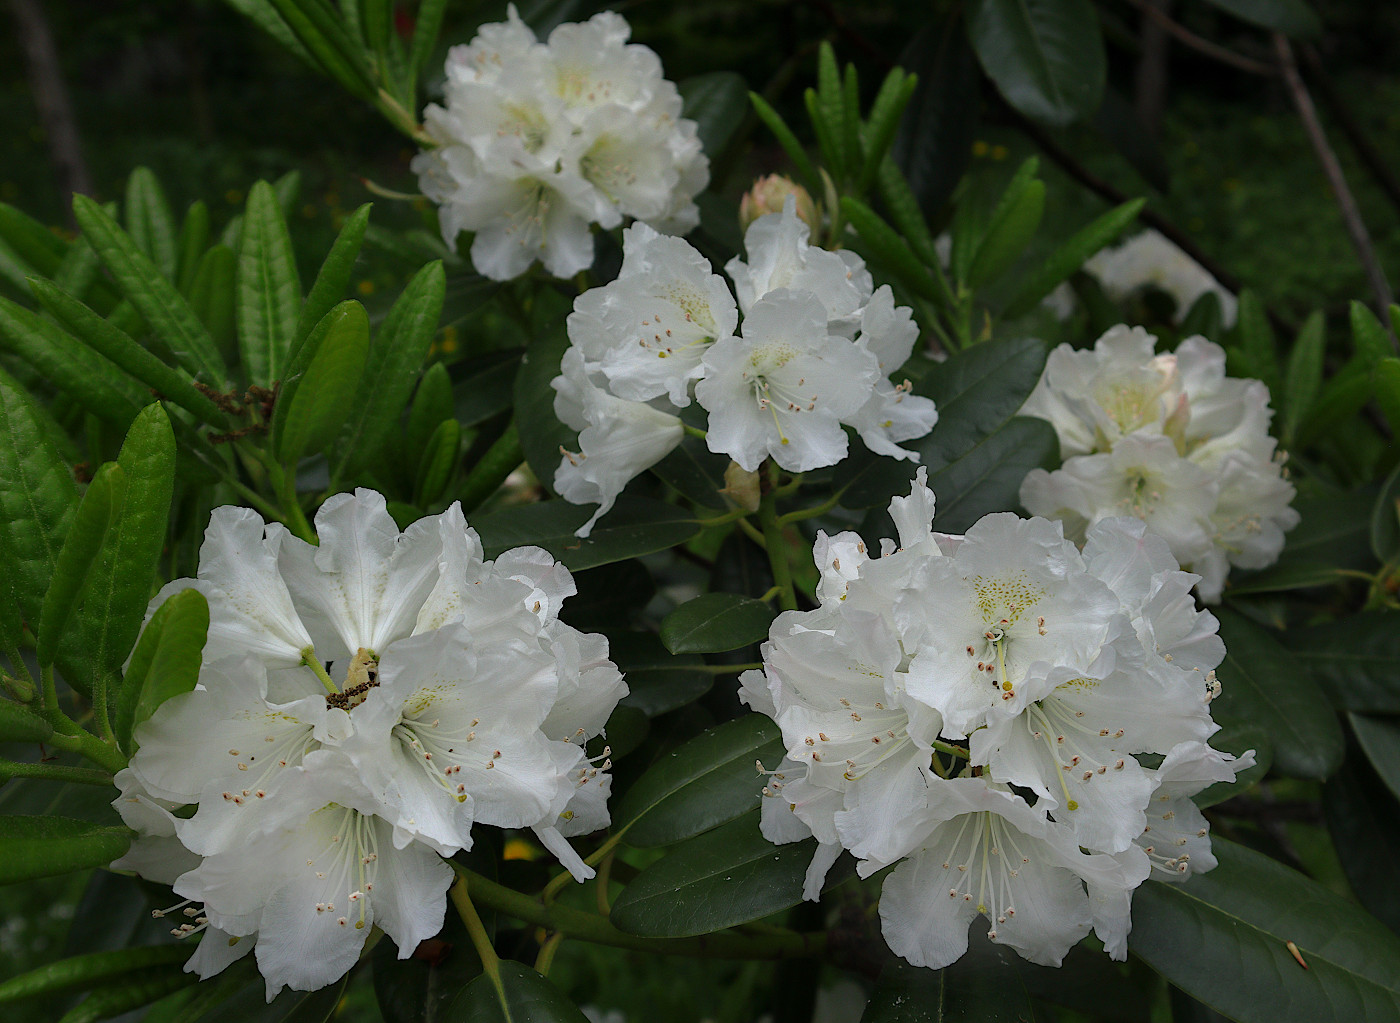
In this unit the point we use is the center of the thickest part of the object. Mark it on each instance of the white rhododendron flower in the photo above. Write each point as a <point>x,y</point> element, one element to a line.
<point>1150,259</point>
<point>971,711</point>
<point>362,705</point>
<point>813,354</point>
<point>537,141</point>
<point>1169,439</point>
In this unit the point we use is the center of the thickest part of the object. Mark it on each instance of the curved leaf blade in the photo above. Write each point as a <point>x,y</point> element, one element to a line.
<point>1046,56</point>
<point>715,622</point>
<point>33,846</point>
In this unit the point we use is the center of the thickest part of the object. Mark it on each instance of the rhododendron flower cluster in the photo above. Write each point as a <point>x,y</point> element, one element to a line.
<point>536,141</point>
<point>973,709</point>
<point>815,350</point>
<point>1169,439</point>
<point>361,704</point>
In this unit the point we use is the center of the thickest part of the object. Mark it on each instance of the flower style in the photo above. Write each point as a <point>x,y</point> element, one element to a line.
<point>971,710</point>
<point>362,704</point>
<point>1169,439</point>
<point>536,141</point>
<point>813,354</point>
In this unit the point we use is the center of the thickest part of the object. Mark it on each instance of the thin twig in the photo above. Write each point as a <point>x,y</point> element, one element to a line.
<point>1201,45</point>
<point>1366,150</point>
<point>1351,214</point>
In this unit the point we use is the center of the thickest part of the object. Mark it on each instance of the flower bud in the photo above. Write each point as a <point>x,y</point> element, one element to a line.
<point>768,195</point>
<point>742,487</point>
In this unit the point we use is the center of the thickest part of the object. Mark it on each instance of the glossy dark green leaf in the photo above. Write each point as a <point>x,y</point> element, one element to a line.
<point>1234,924</point>
<point>657,680</point>
<point>1385,520</point>
<point>700,784</point>
<point>480,393</point>
<point>38,497</point>
<point>826,107</point>
<point>725,877</point>
<point>162,306</point>
<point>1293,576</point>
<point>524,997</point>
<point>1363,817</point>
<point>165,661</point>
<point>1263,684</point>
<point>714,622</point>
<point>393,364</point>
<point>420,988</point>
<point>33,847</point>
<point>1046,56</point>
<point>1355,658</point>
<point>1291,17</point>
<point>1071,255</point>
<point>885,114</point>
<point>1379,738</point>
<point>19,724</point>
<point>983,986</point>
<point>97,512</point>
<point>988,478</point>
<point>1236,738</point>
<point>150,221</point>
<point>634,527</point>
<point>131,991</point>
<point>432,405</point>
<point>438,462</point>
<point>1335,530</point>
<point>1342,396</point>
<point>425,34</point>
<point>269,288</point>
<point>248,1002</point>
<point>541,432</point>
<point>333,279</point>
<point>312,408</point>
<point>1302,377</point>
<point>717,102</point>
<point>934,143</point>
<point>696,472</point>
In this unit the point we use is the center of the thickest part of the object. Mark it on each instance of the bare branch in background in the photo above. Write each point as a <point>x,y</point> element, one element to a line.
<point>1366,150</point>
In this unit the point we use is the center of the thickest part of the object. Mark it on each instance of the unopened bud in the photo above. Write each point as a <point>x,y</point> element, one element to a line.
<point>741,487</point>
<point>768,195</point>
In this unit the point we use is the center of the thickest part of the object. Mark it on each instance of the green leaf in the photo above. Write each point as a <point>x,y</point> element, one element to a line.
<point>149,220</point>
<point>1380,740</point>
<point>524,997</point>
<point>393,364</point>
<point>425,34</point>
<point>801,162</point>
<point>1291,17</point>
<point>983,986</point>
<point>826,108</point>
<point>112,343</point>
<point>96,514</point>
<point>41,250</point>
<point>885,113</point>
<point>1071,255</point>
<point>725,877</point>
<point>33,847</point>
<point>1046,56</point>
<point>314,403</point>
<point>320,30</point>
<point>191,245</point>
<point>1279,578</point>
<point>908,219</point>
<point>1335,529</point>
<point>212,294</point>
<point>79,973</point>
<point>153,296</point>
<point>333,278</point>
<point>1368,336</point>
<point>541,432</point>
<point>432,405</point>
<point>265,16</point>
<point>1013,225</point>
<point>269,290</point>
<point>1118,122</point>
<point>165,661</point>
<point>247,1003</point>
<point>695,471</point>
<point>1387,384</point>
<point>988,478</point>
<point>1235,922</point>
<point>1356,658</point>
<point>717,103</point>
<point>657,680</point>
<point>1258,348</point>
<point>1385,520</point>
<point>1267,686</point>
<point>438,462</point>
<point>19,724</point>
<point>420,988</point>
<point>714,622</point>
<point>1302,378</point>
<point>132,991</point>
<point>701,784</point>
<point>886,246</point>
<point>634,527</point>
<point>1363,819</point>
<point>1343,395</point>
<point>38,497</point>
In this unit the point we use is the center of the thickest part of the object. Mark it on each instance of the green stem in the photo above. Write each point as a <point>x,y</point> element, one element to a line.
<point>545,959</point>
<point>773,543</point>
<point>17,664</point>
<point>604,874</point>
<point>461,899</point>
<point>490,472</point>
<point>85,744</point>
<point>589,927</point>
<point>952,751</point>
<point>99,708</point>
<point>694,431</point>
<point>308,658</point>
<point>810,513</point>
<point>771,594</point>
<point>719,520</point>
<point>285,480</point>
<point>748,529</point>
<point>55,772</point>
<point>21,690</point>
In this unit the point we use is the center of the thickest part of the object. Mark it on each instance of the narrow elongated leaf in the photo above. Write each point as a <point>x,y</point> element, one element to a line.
<point>1302,378</point>
<point>265,16</point>
<point>1291,17</point>
<point>715,622</point>
<point>191,245</point>
<point>425,34</point>
<point>889,248</point>
<point>438,462</point>
<point>801,162</point>
<point>212,294</point>
<point>1046,56</point>
<point>432,406</point>
<point>96,513</point>
<point>1010,231</point>
<point>393,364</point>
<point>19,724</point>
<point>672,799</point>
<point>248,1003</point>
<point>155,297</point>
<point>695,471</point>
<point>525,997</point>
<point>1237,922</point>
<point>333,279</point>
<point>132,990</point>
<point>81,972</point>
<point>114,595</point>
<point>1387,385</point>
<point>1385,520</point>
<point>1356,658</point>
<point>894,95</point>
<point>165,661</point>
<point>725,877</point>
<point>1258,347</point>
<point>1072,254</point>
<point>33,847</point>
<point>269,289</point>
<point>40,249</point>
<point>1380,740</point>
<point>717,102</point>
<point>634,527</point>
<point>313,406</point>
<point>38,497</point>
<point>1266,686</point>
<point>149,220</point>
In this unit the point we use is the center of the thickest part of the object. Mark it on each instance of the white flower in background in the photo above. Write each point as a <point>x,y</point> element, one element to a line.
<point>814,354</point>
<point>1169,439</point>
<point>538,141</point>
<point>970,710</point>
<point>1150,259</point>
<point>392,690</point>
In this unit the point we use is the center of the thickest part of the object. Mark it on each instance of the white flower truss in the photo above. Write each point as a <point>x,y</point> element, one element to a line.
<point>536,141</point>
<point>1169,439</point>
<point>972,710</point>
<point>361,705</point>
<point>814,353</point>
